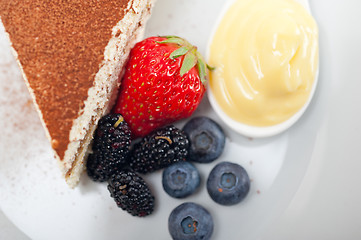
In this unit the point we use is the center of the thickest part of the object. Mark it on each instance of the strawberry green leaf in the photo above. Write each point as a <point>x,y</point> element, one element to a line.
<point>202,70</point>
<point>175,40</point>
<point>189,62</point>
<point>179,52</point>
<point>169,36</point>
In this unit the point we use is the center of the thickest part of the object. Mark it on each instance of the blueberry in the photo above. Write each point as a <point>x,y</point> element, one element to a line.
<point>206,139</point>
<point>190,221</point>
<point>228,183</point>
<point>180,179</point>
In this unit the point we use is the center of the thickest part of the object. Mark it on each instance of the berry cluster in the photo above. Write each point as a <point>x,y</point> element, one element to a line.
<point>164,81</point>
<point>114,160</point>
<point>202,140</point>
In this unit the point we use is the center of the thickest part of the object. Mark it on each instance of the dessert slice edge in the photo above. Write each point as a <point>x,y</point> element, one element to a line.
<point>102,96</point>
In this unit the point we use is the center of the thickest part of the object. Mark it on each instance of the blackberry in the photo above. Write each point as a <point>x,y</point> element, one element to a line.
<point>159,149</point>
<point>113,136</point>
<point>111,147</point>
<point>131,193</point>
<point>98,168</point>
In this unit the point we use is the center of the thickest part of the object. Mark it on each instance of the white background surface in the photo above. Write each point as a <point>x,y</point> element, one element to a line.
<point>326,206</point>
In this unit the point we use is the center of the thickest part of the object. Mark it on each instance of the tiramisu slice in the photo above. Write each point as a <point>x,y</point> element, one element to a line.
<point>71,53</point>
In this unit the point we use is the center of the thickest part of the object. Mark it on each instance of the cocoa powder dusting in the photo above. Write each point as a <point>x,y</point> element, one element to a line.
<point>60,45</point>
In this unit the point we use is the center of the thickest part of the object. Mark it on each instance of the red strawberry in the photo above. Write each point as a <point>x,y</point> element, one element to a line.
<point>164,81</point>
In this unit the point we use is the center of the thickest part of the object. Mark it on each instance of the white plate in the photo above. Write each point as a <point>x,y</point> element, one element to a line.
<point>35,197</point>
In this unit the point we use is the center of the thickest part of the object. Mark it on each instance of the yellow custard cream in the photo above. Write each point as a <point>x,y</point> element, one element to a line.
<point>266,57</point>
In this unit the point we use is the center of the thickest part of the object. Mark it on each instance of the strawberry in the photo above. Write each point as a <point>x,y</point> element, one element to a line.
<point>164,81</point>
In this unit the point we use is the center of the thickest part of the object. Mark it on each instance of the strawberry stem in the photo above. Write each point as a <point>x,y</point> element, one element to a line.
<point>210,67</point>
